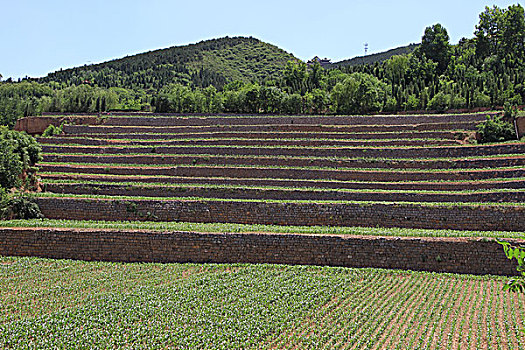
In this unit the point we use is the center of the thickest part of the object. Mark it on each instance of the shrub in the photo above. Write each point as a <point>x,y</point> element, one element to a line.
<point>495,129</point>
<point>52,130</point>
<point>439,102</point>
<point>516,284</point>
<point>19,153</point>
<point>18,206</point>
<point>390,105</point>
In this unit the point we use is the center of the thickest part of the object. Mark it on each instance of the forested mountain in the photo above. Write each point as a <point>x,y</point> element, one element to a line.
<point>376,57</point>
<point>211,62</point>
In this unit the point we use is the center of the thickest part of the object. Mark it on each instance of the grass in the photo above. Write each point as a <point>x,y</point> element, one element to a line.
<point>49,304</point>
<point>243,228</point>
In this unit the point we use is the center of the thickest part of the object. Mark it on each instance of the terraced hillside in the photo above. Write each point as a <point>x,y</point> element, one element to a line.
<point>375,171</point>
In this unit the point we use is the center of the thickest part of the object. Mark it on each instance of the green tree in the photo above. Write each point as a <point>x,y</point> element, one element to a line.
<point>435,45</point>
<point>501,32</point>
<point>359,93</point>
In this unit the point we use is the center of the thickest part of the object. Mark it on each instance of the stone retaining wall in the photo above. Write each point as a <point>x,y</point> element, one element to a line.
<point>429,186</point>
<point>99,129</point>
<point>350,152</point>
<point>456,217</point>
<point>249,142</point>
<point>454,255</point>
<point>292,194</point>
<point>284,173</point>
<point>267,120</point>
<point>287,162</point>
<point>272,134</point>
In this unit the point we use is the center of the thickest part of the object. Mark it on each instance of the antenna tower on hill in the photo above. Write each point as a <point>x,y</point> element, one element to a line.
<point>366,48</point>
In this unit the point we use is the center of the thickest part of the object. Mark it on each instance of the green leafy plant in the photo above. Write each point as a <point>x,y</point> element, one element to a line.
<point>18,206</point>
<point>52,130</point>
<point>515,284</point>
<point>19,153</point>
<point>495,129</point>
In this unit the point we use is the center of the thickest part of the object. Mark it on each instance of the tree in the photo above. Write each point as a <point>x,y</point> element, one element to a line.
<point>501,32</point>
<point>295,77</point>
<point>488,34</point>
<point>435,45</point>
<point>513,31</point>
<point>359,93</point>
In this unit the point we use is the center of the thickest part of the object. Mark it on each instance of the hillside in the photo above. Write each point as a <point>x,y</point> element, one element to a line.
<point>211,62</point>
<point>377,57</point>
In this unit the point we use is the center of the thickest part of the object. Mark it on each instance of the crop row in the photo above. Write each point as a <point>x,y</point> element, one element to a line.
<point>101,129</point>
<point>353,152</point>
<point>283,119</point>
<point>451,135</point>
<point>374,175</point>
<point>513,196</point>
<point>250,142</point>
<point>242,228</point>
<point>465,185</point>
<point>138,183</point>
<point>68,304</point>
<point>145,159</point>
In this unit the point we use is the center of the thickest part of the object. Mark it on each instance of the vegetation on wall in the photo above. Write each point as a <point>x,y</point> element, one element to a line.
<point>19,154</point>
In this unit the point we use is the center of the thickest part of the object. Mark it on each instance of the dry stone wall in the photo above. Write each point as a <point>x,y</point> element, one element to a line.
<point>454,255</point>
<point>289,194</point>
<point>349,152</point>
<point>456,217</point>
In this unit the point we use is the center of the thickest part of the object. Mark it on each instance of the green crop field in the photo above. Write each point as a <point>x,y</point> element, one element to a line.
<point>50,304</point>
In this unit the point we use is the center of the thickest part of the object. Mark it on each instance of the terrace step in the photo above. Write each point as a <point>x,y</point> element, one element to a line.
<point>418,186</point>
<point>105,129</point>
<point>429,186</point>
<point>279,194</point>
<point>271,134</point>
<point>457,216</point>
<point>291,173</point>
<point>268,120</point>
<point>249,142</point>
<point>349,152</point>
<point>289,161</point>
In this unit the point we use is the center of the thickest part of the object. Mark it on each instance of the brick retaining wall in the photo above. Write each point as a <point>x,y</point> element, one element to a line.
<point>454,255</point>
<point>482,217</point>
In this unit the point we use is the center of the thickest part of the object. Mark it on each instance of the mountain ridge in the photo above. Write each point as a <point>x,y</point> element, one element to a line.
<point>209,62</point>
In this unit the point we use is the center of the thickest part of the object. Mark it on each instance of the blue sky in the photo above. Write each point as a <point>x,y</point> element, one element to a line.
<point>39,37</point>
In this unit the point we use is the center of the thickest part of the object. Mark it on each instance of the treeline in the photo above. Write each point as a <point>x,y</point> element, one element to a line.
<point>29,98</point>
<point>485,71</point>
